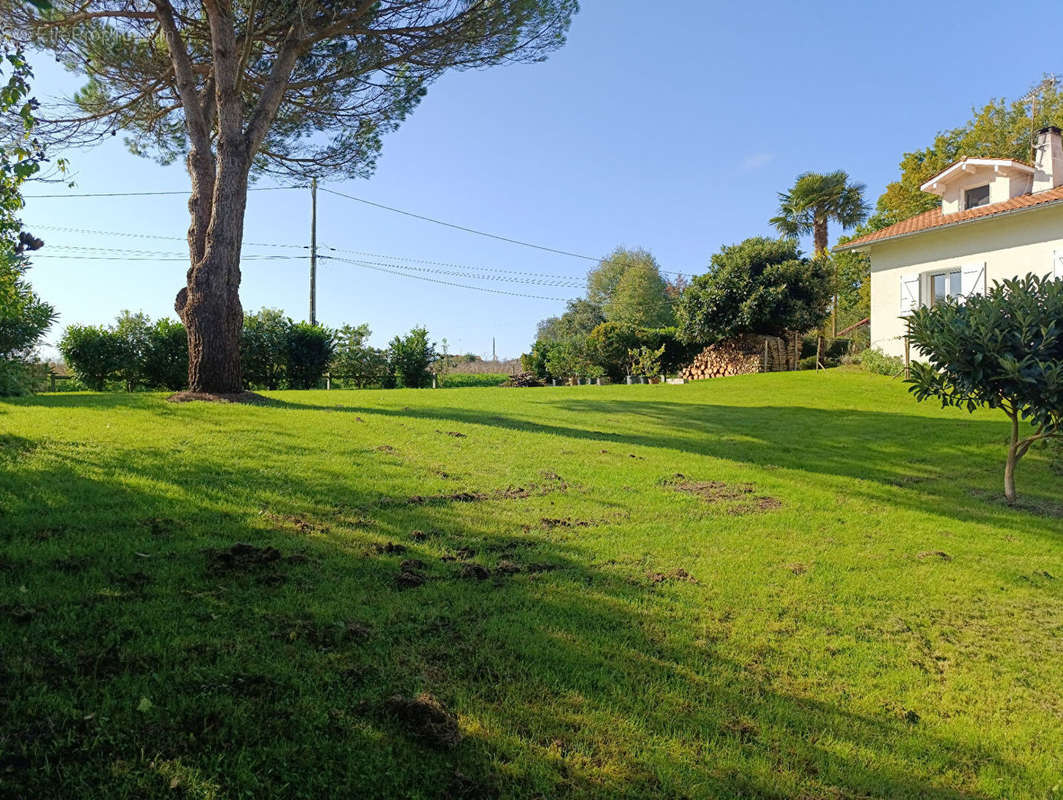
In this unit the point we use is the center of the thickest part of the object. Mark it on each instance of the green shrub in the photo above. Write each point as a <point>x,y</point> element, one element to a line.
<point>166,356</point>
<point>17,378</point>
<point>264,348</point>
<point>608,346</point>
<point>881,364</point>
<point>463,379</point>
<point>309,351</point>
<point>410,358</point>
<point>94,354</point>
<point>355,361</point>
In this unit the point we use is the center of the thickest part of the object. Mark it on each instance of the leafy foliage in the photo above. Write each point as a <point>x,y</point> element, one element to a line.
<point>165,363</point>
<point>134,332</point>
<point>580,318</point>
<point>24,317</point>
<point>608,346</point>
<point>628,288</point>
<point>410,359</point>
<point>264,348</point>
<point>645,361</point>
<point>877,362</point>
<point>1000,129</point>
<point>355,360</point>
<point>94,353</point>
<point>760,286</point>
<point>1003,349</point>
<point>815,201</point>
<point>309,350</point>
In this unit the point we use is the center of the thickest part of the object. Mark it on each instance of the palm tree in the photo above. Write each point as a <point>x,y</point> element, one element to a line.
<point>813,202</point>
<point>816,200</point>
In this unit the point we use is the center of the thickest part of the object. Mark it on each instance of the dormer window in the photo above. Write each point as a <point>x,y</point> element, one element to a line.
<point>978,196</point>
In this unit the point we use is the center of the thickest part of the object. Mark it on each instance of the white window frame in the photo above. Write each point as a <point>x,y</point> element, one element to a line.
<point>948,273</point>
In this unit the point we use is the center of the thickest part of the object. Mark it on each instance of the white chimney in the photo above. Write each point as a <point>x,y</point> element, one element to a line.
<point>1048,161</point>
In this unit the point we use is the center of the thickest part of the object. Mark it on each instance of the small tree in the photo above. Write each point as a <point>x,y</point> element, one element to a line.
<point>645,361</point>
<point>134,331</point>
<point>354,360</point>
<point>640,299</point>
<point>1003,349</point>
<point>309,350</point>
<point>410,358</point>
<point>166,356</point>
<point>759,286</point>
<point>94,353</point>
<point>264,348</point>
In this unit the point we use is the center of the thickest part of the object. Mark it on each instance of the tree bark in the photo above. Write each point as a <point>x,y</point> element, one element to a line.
<point>819,236</point>
<point>1013,459</point>
<point>209,305</point>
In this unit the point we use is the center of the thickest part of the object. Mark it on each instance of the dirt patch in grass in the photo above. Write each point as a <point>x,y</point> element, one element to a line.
<point>249,398</point>
<point>741,498</point>
<point>241,557</point>
<point>455,434</point>
<point>506,567</point>
<point>797,569</point>
<point>424,718</point>
<point>390,548</point>
<point>509,493</point>
<point>937,555</point>
<point>678,574</point>
<point>550,523</point>
<point>409,579</point>
<point>474,572</point>
<point>385,448</point>
<point>295,521</point>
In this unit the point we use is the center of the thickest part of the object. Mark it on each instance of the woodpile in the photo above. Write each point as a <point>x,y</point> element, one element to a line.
<point>743,355</point>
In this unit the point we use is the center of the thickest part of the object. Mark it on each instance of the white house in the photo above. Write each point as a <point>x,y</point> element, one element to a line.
<point>998,219</point>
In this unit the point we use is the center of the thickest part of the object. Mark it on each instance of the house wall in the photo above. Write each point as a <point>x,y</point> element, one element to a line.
<point>1010,246</point>
<point>1001,187</point>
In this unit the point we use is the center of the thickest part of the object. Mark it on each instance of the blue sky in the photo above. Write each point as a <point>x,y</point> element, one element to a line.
<point>670,131</point>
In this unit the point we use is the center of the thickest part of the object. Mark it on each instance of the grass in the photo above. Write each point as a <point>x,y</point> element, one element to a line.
<point>830,603</point>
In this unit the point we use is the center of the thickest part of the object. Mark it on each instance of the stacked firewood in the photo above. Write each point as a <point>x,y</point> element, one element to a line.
<point>743,355</point>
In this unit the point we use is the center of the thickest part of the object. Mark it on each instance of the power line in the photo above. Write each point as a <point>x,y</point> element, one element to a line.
<point>250,257</point>
<point>569,284</point>
<point>385,256</point>
<point>184,192</point>
<point>115,253</point>
<point>422,217</point>
<point>446,283</point>
<point>64,229</point>
<point>461,227</point>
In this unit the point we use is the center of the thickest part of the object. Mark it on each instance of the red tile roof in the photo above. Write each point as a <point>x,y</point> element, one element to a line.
<point>929,220</point>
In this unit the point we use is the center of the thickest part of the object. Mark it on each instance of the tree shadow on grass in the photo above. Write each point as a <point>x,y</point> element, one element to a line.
<point>907,460</point>
<point>136,661</point>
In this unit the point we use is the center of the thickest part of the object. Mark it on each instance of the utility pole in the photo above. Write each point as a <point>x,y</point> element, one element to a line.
<point>494,353</point>
<point>313,251</point>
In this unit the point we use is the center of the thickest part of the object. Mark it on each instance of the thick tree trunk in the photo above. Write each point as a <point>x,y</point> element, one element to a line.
<point>209,305</point>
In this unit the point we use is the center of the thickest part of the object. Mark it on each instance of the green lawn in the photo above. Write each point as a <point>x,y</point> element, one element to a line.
<point>780,586</point>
